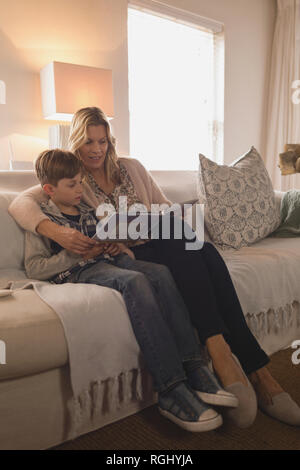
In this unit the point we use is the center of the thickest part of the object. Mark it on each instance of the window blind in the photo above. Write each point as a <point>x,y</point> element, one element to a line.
<point>177,14</point>
<point>202,86</point>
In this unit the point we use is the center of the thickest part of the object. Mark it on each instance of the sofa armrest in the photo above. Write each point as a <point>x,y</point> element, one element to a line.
<point>278,199</point>
<point>279,194</point>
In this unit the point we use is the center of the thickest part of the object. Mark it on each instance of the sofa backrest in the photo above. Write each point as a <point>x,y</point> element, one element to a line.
<point>12,237</point>
<point>178,186</point>
<point>17,180</point>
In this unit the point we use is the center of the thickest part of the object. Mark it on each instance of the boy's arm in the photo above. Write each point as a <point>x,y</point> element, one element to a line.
<point>40,264</point>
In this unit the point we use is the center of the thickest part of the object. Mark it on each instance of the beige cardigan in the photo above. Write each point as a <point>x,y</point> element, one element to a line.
<point>26,207</point>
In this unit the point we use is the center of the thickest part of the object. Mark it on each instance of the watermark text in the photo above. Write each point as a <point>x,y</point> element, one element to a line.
<point>296,93</point>
<point>161,222</point>
<point>2,352</point>
<point>296,354</point>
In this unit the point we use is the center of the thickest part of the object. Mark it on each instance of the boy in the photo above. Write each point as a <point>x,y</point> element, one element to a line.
<point>157,312</point>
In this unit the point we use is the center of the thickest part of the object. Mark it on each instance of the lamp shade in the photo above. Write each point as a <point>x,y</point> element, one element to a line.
<point>67,87</point>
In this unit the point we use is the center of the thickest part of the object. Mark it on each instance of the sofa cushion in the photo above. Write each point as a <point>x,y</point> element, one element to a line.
<point>240,201</point>
<point>33,335</point>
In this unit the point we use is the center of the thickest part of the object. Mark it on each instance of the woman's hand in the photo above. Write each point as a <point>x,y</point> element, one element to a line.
<point>113,249</point>
<point>128,251</point>
<point>69,238</point>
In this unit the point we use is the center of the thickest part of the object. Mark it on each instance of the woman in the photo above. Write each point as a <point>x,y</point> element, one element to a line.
<point>201,276</point>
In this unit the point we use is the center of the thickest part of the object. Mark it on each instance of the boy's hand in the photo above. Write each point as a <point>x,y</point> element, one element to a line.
<point>114,249</point>
<point>69,238</point>
<point>94,251</point>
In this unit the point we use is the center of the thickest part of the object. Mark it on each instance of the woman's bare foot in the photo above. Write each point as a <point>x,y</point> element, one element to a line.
<point>223,362</point>
<point>265,385</point>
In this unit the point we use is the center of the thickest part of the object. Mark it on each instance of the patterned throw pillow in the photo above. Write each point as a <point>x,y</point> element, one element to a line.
<point>239,200</point>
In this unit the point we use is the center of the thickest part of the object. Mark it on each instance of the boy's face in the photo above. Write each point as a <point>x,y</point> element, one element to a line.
<point>68,191</point>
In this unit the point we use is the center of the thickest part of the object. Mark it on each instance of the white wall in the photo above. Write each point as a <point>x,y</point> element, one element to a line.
<point>94,32</point>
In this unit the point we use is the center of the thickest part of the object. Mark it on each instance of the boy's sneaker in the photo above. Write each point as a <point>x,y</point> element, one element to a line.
<point>182,406</point>
<point>208,388</point>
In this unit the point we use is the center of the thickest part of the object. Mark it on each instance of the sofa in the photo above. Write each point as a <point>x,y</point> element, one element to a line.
<point>34,370</point>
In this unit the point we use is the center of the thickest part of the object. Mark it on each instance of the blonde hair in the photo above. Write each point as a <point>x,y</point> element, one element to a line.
<point>93,116</point>
<point>51,166</point>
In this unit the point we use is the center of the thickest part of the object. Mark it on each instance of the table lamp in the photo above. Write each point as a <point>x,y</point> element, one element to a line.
<point>66,88</point>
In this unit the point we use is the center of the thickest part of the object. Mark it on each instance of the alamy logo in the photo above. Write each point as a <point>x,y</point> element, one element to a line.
<point>2,352</point>
<point>162,221</point>
<point>296,354</point>
<point>296,93</point>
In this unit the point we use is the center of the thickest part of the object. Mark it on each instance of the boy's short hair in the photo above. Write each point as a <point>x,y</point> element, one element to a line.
<point>53,165</point>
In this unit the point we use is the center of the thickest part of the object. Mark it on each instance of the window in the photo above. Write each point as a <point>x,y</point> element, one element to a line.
<point>176,88</point>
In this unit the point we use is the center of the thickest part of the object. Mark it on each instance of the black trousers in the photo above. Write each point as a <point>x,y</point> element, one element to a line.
<point>205,284</point>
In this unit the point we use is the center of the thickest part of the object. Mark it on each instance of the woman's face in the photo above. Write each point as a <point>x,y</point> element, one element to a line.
<point>94,149</point>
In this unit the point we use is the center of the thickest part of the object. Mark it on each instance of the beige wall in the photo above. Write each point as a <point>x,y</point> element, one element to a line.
<point>34,33</point>
<point>94,32</point>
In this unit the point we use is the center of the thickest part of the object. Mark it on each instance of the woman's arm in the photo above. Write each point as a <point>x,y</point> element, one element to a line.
<point>158,197</point>
<point>25,208</point>
<point>144,182</point>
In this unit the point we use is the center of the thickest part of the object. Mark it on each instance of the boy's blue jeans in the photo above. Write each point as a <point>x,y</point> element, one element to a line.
<point>157,312</point>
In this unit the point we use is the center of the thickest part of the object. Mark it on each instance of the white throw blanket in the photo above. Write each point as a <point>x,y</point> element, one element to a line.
<point>266,276</point>
<point>103,352</point>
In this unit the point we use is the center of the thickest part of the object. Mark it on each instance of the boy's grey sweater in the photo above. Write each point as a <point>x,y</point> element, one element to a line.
<point>40,261</point>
